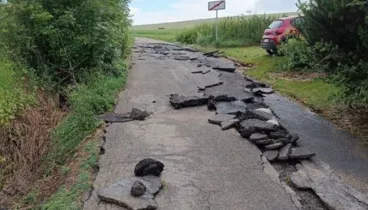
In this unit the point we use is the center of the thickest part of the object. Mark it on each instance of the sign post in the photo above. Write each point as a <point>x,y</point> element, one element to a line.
<point>216,5</point>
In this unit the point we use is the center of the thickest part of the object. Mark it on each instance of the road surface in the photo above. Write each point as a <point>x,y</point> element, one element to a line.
<point>205,168</point>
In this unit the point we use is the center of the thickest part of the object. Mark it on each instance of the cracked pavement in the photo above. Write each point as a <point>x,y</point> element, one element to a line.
<point>205,167</point>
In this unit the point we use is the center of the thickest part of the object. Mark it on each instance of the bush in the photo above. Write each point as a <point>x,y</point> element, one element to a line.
<point>188,36</point>
<point>66,41</point>
<point>338,30</point>
<point>296,51</point>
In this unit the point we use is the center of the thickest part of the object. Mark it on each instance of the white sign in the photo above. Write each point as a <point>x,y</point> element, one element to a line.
<point>216,5</point>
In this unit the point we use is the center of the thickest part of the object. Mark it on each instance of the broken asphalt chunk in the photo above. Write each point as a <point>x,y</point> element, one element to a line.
<point>219,118</point>
<point>179,102</point>
<point>138,114</point>
<point>261,115</point>
<point>332,191</point>
<point>279,134</point>
<point>112,117</point>
<point>120,193</point>
<point>233,107</point>
<point>261,91</point>
<point>301,153</point>
<point>271,155</point>
<point>227,68</point>
<point>274,146</point>
<point>257,137</point>
<point>284,152</point>
<point>257,125</point>
<point>182,58</point>
<point>149,167</point>
<point>138,189</point>
<point>264,142</point>
<point>226,125</point>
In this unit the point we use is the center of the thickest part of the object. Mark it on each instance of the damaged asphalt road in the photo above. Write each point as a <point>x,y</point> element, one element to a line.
<point>205,167</point>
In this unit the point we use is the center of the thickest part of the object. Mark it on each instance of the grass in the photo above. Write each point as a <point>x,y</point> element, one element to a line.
<point>67,197</point>
<point>314,93</point>
<point>13,98</point>
<point>168,35</point>
<point>87,101</point>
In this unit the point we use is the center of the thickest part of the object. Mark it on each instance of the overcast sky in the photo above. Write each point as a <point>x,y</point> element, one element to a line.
<point>159,11</point>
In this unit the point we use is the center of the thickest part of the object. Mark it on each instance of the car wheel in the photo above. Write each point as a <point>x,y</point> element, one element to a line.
<point>272,52</point>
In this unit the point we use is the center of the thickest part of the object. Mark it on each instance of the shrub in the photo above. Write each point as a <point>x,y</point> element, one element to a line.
<point>296,51</point>
<point>188,36</point>
<point>66,41</point>
<point>338,32</point>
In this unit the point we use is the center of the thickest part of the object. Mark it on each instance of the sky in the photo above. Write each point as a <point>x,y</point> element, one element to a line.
<point>159,11</point>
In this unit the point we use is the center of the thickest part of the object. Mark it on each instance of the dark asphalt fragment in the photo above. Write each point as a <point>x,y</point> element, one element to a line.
<point>138,189</point>
<point>264,142</point>
<point>261,115</point>
<point>284,152</point>
<point>271,155</point>
<point>219,118</point>
<point>226,68</point>
<point>149,167</point>
<point>226,125</point>
<point>279,134</point>
<point>182,58</point>
<point>233,107</point>
<point>257,137</point>
<point>178,101</point>
<point>301,153</point>
<point>112,117</point>
<point>274,146</point>
<point>138,114</point>
<point>120,193</point>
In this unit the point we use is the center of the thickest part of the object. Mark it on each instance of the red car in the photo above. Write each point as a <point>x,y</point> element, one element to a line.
<point>278,32</point>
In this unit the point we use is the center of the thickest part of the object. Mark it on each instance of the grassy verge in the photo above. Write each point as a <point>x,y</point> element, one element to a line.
<point>70,155</point>
<point>13,98</point>
<point>87,101</point>
<point>313,92</point>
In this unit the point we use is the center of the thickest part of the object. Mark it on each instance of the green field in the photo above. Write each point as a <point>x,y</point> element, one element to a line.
<point>191,23</point>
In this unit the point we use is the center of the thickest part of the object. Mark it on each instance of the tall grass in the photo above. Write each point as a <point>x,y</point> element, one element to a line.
<point>233,31</point>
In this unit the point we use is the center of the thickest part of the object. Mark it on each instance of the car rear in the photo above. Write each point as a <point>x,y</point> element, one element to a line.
<point>271,38</point>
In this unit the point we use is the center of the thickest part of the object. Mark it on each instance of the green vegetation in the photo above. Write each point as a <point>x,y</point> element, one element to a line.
<point>192,23</point>
<point>337,35</point>
<point>13,98</point>
<point>68,199</point>
<point>168,35</point>
<point>73,51</point>
<point>87,101</point>
<point>234,32</point>
<point>315,93</point>
<point>65,42</point>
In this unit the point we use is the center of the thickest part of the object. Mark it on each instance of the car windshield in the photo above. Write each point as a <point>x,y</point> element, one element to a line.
<point>275,24</point>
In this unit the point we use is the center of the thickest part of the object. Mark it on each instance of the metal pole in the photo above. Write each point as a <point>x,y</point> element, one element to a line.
<point>216,25</point>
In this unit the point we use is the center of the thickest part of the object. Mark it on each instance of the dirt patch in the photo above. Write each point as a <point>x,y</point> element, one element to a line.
<point>354,120</point>
<point>23,145</point>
